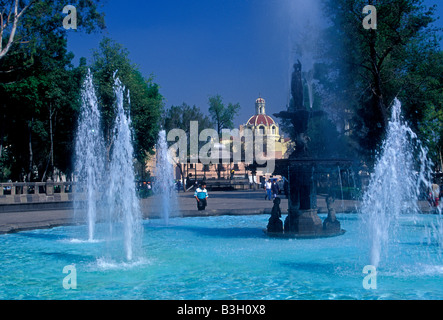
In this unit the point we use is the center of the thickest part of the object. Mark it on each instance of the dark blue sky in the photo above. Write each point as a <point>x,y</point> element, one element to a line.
<point>197,48</point>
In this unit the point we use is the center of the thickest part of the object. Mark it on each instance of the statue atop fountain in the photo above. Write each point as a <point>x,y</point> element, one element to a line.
<point>300,168</point>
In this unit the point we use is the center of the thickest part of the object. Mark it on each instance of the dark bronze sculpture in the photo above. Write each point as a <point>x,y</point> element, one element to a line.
<point>275,224</point>
<point>298,114</point>
<point>299,170</point>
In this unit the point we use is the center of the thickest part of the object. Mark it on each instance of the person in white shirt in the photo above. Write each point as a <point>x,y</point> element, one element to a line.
<point>201,195</point>
<point>268,187</point>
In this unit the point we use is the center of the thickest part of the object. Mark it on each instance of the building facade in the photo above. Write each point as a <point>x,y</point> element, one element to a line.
<point>263,124</point>
<point>259,124</point>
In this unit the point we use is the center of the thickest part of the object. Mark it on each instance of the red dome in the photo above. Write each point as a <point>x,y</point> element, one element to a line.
<point>260,119</point>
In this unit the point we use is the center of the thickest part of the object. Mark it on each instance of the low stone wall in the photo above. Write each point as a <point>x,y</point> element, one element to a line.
<point>228,184</point>
<point>36,192</point>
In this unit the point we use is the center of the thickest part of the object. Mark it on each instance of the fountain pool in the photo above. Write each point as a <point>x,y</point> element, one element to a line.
<point>225,257</point>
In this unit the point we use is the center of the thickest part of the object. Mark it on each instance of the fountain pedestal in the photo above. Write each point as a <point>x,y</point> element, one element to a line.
<point>303,222</point>
<point>300,169</point>
<point>302,202</point>
<point>306,224</point>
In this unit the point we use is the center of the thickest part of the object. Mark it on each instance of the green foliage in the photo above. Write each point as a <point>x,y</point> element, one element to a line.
<point>146,109</point>
<point>180,117</point>
<point>39,89</point>
<point>364,70</point>
<point>46,91</point>
<point>223,116</point>
<point>326,140</point>
<point>431,129</point>
<point>44,18</point>
<point>146,103</point>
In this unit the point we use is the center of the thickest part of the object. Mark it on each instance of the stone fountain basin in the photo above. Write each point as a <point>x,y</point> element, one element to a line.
<point>296,235</point>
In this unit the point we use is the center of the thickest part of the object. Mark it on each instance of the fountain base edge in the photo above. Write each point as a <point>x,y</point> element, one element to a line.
<point>296,235</point>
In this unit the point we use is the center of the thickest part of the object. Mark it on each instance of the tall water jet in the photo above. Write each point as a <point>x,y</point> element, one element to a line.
<point>124,207</point>
<point>394,186</point>
<point>89,155</point>
<point>164,183</point>
<point>309,77</point>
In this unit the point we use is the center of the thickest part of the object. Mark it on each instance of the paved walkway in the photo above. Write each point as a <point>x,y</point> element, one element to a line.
<point>232,203</point>
<point>219,203</point>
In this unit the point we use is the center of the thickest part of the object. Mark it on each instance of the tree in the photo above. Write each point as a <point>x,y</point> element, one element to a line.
<point>42,107</point>
<point>39,87</point>
<point>375,66</point>
<point>23,21</point>
<point>430,100</point>
<point>180,117</point>
<point>223,116</point>
<point>146,105</point>
<point>10,19</point>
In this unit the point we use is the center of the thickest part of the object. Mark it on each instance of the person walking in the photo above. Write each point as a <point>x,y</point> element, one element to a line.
<point>201,195</point>
<point>275,189</point>
<point>268,187</point>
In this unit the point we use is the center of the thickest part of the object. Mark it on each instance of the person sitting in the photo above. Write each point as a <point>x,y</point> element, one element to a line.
<point>201,195</point>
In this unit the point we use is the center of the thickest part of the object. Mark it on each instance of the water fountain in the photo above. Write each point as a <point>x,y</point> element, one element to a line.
<point>309,78</point>
<point>229,257</point>
<point>89,156</point>
<point>395,186</point>
<point>164,186</point>
<point>124,207</point>
<point>109,189</point>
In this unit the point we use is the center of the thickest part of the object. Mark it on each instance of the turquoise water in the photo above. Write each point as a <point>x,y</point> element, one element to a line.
<point>225,257</point>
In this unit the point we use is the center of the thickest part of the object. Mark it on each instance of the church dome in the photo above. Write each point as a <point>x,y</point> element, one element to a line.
<point>260,119</point>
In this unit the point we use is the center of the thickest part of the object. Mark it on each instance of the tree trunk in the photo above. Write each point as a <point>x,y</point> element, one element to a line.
<point>16,15</point>
<point>31,155</point>
<point>377,85</point>
<point>51,151</point>
<point>2,129</point>
<point>441,161</point>
<point>51,114</point>
<point>110,141</point>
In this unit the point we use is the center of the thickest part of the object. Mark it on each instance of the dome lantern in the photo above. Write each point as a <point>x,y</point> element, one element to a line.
<point>260,106</point>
